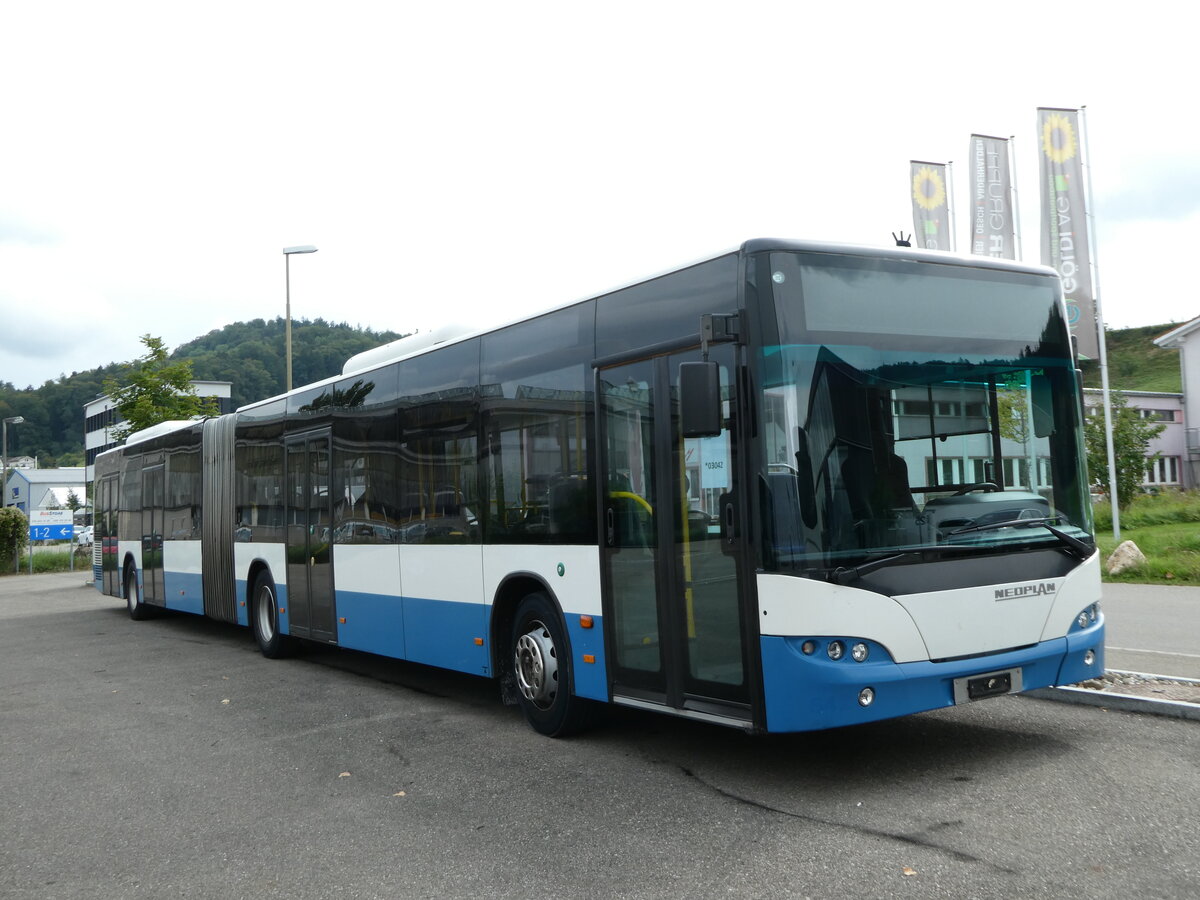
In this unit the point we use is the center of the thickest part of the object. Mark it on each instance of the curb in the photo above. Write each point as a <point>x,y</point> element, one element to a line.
<point>1175,709</point>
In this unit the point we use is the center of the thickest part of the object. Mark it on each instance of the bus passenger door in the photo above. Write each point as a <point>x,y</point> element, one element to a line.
<point>674,596</point>
<point>309,536</point>
<point>105,534</point>
<point>152,536</point>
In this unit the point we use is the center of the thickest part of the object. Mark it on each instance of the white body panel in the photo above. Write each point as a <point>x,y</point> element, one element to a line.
<point>130,548</point>
<point>1079,590</point>
<point>577,589</point>
<point>451,572</point>
<point>273,555</point>
<point>971,620</point>
<point>182,557</point>
<point>792,606</point>
<point>368,569</point>
<point>934,625</point>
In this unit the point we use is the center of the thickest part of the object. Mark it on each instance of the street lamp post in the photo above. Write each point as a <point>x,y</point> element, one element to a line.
<point>11,420</point>
<point>287,324</point>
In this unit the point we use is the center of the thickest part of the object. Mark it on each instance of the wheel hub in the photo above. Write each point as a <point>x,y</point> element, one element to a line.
<point>536,664</point>
<point>266,614</point>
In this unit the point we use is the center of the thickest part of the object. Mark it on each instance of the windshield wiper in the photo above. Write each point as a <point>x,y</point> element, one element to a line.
<point>848,574</point>
<point>844,575</point>
<point>1078,548</point>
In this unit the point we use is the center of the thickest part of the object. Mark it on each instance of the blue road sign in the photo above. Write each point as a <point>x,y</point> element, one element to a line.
<point>50,532</point>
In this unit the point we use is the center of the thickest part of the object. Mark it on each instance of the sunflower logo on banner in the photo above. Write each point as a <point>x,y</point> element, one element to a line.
<point>930,214</point>
<point>929,190</point>
<point>1058,138</point>
<point>1064,221</point>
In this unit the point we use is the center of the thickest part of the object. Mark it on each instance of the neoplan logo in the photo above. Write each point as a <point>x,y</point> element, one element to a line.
<point>1026,590</point>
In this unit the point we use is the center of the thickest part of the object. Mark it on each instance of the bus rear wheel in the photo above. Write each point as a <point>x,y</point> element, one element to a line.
<point>264,619</point>
<point>133,596</point>
<point>541,660</point>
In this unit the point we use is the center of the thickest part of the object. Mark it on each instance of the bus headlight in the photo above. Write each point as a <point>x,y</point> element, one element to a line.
<point>836,650</point>
<point>866,697</point>
<point>859,652</point>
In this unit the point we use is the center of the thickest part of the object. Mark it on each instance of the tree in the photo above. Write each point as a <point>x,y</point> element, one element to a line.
<point>1131,439</point>
<point>155,391</point>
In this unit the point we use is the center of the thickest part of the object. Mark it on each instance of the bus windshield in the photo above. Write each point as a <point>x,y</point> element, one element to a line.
<point>916,408</point>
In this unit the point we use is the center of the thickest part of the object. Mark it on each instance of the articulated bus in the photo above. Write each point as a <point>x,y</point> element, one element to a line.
<point>790,487</point>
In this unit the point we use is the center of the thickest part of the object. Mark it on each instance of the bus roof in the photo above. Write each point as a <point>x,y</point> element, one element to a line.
<point>417,344</point>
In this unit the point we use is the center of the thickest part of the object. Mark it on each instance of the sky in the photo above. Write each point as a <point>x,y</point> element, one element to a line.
<point>473,162</point>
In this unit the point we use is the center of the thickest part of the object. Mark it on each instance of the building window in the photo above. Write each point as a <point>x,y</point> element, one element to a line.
<point>1164,471</point>
<point>1157,415</point>
<point>943,471</point>
<point>1016,473</point>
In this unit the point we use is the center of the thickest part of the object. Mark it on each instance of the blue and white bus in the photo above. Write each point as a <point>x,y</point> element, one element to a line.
<point>793,486</point>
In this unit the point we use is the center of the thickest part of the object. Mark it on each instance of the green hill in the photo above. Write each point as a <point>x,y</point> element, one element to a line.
<point>249,355</point>
<point>1135,364</point>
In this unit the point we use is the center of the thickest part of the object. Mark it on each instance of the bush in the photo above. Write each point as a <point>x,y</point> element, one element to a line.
<point>14,532</point>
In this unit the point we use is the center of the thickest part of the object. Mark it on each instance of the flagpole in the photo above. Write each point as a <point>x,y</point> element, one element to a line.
<point>1099,325</point>
<point>1012,183</point>
<point>950,205</point>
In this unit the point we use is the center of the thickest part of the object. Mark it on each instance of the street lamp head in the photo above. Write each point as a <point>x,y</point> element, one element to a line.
<point>14,420</point>
<point>303,248</point>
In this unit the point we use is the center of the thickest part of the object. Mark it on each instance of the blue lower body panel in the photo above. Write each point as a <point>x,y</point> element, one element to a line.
<point>591,678</point>
<point>454,636</point>
<point>443,633</point>
<point>810,692</point>
<point>374,623</point>
<point>184,592</point>
<point>434,632</point>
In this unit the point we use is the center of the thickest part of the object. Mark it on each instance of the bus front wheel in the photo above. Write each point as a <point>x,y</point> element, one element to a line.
<point>264,618</point>
<point>541,659</point>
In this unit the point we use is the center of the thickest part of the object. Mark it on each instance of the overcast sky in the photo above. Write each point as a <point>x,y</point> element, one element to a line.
<point>475,161</point>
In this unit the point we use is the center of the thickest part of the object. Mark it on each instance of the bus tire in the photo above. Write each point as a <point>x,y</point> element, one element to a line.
<point>264,618</point>
<point>138,611</point>
<point>541,660</point>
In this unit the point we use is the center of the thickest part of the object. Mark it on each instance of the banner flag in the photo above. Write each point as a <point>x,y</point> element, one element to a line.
<point>1064,221</point>
<point>931,215</point>
<point>992,217</point>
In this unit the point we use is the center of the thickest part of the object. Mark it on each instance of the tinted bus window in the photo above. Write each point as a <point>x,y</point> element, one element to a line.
<point>438,476</point>
<point>666,308</point>
<point>536,398</point>
<point>366,486</point>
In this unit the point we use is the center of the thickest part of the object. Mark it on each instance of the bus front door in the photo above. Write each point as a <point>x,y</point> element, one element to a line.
<point>673,596</point>
<point>310,599</point>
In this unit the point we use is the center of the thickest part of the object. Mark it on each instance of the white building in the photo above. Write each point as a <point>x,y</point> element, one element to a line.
<point>1162,408</point>
<point>29,489</point>
<point>1186,339</point>
<point>100,417</point>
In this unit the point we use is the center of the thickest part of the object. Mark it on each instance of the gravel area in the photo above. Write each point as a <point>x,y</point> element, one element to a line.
<point>1137,684</point>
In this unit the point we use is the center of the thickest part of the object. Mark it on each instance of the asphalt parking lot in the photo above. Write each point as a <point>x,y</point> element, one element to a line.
<point>168,758</point>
